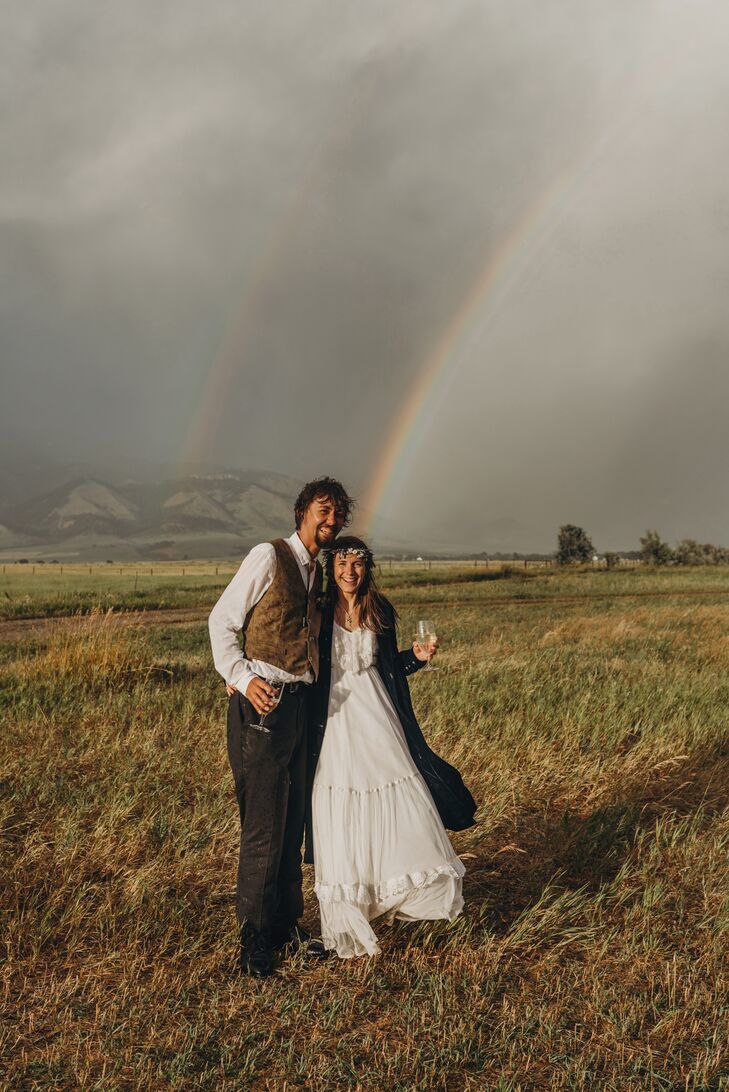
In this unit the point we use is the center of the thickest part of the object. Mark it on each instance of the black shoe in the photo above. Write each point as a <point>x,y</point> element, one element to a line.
<point>256,953</point>
<point>297,939</point>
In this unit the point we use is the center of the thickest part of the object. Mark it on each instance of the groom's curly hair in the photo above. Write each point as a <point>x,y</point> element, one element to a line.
<point>324,489</point>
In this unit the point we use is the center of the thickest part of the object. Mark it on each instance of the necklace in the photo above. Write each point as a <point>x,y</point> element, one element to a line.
<point>349,617</point>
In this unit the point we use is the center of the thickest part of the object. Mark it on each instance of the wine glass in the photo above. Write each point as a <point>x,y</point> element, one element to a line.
<point>426,638</point>
<point>277,688</point>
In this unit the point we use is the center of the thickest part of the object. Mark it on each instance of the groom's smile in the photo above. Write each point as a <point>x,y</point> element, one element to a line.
<point>321,524</point>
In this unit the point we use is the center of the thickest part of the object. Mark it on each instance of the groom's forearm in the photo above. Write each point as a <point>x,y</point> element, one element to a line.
<point>242,678</point>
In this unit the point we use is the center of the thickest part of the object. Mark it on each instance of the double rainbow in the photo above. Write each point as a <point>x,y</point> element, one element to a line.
<point>505,267</point>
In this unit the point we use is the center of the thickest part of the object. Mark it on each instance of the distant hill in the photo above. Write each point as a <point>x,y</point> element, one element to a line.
<point>197,516</point>
<point>90,516</point>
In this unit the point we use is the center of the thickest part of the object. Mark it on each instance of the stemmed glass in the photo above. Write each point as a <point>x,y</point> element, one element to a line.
<point>426,639</point>
<point>277,688</point>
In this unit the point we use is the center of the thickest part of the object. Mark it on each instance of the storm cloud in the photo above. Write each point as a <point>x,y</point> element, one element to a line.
<point>293,201</point>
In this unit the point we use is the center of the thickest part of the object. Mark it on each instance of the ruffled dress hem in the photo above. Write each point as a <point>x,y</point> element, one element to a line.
<point>347,909</point>
<point>373,894</point>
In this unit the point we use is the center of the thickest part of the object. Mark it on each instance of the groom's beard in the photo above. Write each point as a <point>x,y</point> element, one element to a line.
<point>324,537</point>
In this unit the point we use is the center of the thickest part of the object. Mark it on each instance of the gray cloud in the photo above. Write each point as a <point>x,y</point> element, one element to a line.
<point>303,196</point>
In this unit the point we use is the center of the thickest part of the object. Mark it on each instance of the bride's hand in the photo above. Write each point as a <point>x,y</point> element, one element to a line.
<point>424,654</point>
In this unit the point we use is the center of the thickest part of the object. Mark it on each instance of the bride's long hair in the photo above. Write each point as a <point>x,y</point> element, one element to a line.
<point>376,612</point>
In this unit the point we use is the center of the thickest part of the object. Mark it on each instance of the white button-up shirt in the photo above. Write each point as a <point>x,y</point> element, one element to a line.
<point>247,588</point>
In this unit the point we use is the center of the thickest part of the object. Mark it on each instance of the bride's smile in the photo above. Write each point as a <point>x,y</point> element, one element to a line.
<point>349,571</point>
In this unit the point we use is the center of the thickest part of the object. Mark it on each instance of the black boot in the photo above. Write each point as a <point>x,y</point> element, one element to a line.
<point>256,953</point>
<point>295,938</point>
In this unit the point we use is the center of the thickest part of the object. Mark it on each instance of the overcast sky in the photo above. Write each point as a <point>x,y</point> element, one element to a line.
<point>297,198</point>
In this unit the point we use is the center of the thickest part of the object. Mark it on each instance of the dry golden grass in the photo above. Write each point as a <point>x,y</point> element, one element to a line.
<point>592,953</point>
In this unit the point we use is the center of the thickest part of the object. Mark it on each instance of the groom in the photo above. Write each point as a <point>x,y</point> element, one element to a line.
<point>273,600</point>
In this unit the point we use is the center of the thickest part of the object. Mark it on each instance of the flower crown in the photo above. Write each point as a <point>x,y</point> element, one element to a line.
<point>356,551</point>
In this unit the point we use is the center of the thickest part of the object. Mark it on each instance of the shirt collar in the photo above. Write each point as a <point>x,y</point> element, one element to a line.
<point>301,553</point>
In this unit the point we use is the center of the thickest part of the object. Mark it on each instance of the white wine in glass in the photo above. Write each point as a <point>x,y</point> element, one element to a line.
<point>278,689</point>
<point>426,639</point>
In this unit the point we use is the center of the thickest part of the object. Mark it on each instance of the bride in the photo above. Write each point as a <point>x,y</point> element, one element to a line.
<point>380,796</point>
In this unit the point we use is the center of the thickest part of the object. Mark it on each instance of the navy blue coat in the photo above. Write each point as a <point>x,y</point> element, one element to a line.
<point>454,802</point>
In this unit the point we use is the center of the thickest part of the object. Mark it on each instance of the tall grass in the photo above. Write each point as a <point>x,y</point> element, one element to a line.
<point>592,953</point>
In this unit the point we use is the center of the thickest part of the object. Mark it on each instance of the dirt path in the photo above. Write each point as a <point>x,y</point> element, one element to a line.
<point>14,629</point>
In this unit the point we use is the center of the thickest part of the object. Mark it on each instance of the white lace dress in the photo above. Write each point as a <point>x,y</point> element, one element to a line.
<point>379,844</point>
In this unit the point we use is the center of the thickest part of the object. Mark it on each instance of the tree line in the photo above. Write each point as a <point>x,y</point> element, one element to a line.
<point>686,552</point>
<point>574,546</point>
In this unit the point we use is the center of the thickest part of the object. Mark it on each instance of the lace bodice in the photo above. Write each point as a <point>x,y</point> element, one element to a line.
<point>353,651</point>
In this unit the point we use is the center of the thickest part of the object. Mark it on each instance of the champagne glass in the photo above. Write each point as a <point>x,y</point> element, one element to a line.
<point>426,638</point>
<point>277,688</point>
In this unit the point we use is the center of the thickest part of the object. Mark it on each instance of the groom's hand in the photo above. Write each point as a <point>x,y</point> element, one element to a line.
<point>260,695</point>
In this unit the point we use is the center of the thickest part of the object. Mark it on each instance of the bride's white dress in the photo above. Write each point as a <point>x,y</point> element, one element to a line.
<point>379,844</point>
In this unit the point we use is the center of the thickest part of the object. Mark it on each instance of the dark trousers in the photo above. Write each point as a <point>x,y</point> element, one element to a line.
<point>269,770</point>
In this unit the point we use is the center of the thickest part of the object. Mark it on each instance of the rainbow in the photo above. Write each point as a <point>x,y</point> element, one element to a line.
<point>465,328</point>
<point>200,439</point>
<point>225,366</point>
<point>505,267</point>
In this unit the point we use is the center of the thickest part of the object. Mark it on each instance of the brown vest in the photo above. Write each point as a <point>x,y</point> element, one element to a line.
<point>283,627</point>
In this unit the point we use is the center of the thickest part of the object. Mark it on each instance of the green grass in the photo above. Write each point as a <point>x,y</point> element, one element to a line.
<point>592,952</point>
<point>53,590</point>
<point>49,592</point>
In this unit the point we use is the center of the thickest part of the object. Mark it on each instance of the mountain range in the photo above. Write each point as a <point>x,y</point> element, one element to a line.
<point>214,515</point>
<point>220,513</point>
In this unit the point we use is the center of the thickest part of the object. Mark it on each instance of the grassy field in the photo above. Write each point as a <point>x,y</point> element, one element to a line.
<point>588,713</point>
<point>42,591</point>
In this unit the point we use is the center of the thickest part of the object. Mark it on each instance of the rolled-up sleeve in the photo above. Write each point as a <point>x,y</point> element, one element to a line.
<point>250,583</point>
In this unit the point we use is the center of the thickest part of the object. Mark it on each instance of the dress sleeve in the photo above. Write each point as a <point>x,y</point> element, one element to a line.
<point>409,662</point>
<point>406,660</point>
